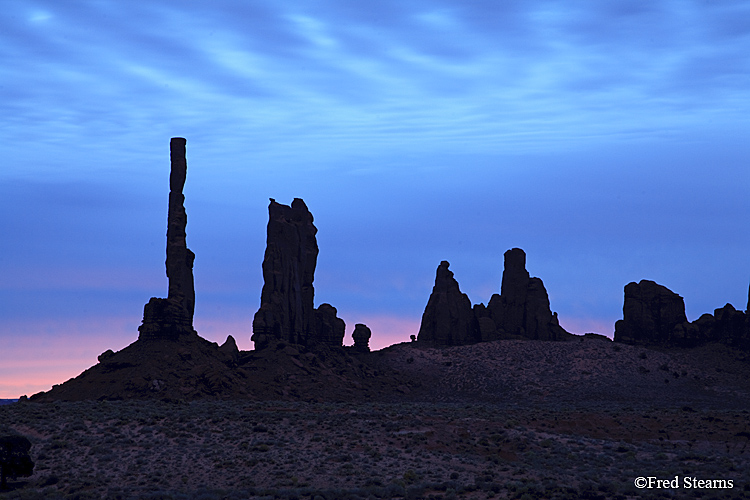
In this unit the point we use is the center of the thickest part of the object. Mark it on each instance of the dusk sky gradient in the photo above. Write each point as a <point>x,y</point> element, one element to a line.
<point>608,139</point>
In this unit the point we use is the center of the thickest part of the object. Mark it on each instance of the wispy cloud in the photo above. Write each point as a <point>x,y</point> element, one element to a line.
<point>469,76</point>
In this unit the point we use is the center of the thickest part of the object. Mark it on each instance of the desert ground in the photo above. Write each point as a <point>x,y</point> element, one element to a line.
<point>505,419</point>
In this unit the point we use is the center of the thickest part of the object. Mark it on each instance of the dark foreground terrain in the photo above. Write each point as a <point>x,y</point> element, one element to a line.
<point>507,419</point>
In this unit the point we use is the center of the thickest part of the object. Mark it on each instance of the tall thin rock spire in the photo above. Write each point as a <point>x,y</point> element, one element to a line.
<point>171,317</point>
<point>179,257</point>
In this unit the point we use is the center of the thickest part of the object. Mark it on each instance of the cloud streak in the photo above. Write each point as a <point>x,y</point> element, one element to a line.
<point>467,76</point>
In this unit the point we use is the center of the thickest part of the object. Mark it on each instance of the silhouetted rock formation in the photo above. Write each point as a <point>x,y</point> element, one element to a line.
<point>361,336</point>
<point>727,325</point>
<point>654,315</point>
<point>329,329</point>
<point>508,310</point>
<point>286,303</point>
<point>522,309</point>
<point>448,318</point>
<point>157,367</point>
<point>105,355</point>
<point>650,314</point>
<point>171,317</point>
<point>179,257</point>
<point>229,348</point>
<point>485,324</point>
<point>730,325</point>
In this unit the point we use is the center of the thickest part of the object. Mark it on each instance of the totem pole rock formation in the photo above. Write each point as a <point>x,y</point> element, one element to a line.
<point>286,303</point>
<point>171,317</point>
<point>522,309</point>
<point>361,336</point>
<point>448,318</point>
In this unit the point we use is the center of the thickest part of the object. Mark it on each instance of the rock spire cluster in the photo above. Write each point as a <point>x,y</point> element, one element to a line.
<point>652,314</point>
<point>521,310</point>
<point>171,317</point>
<point>286,309</point>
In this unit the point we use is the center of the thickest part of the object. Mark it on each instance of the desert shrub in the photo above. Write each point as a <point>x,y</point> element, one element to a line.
<point>410,476</point>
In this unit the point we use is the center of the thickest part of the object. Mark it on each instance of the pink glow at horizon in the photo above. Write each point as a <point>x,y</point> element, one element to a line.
<point>386,330</point>
<point>579,326</point>
<point>40,354</point>
<point>47,352</point>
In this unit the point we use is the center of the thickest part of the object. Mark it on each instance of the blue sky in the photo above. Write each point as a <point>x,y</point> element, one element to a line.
<point>607,139</point>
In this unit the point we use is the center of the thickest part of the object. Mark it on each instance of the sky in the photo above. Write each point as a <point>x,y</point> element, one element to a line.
<point>606,139</point>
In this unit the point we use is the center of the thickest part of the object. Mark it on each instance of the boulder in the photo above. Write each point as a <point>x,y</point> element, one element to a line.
<point>650,314</point>
<point>172,317</point>
<point>329,329</point>
<point>105,355</point>
<point>448,318</point>
<point>361,336</point>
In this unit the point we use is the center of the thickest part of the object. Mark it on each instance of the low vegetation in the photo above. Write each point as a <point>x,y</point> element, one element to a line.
<point>324,451</point>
